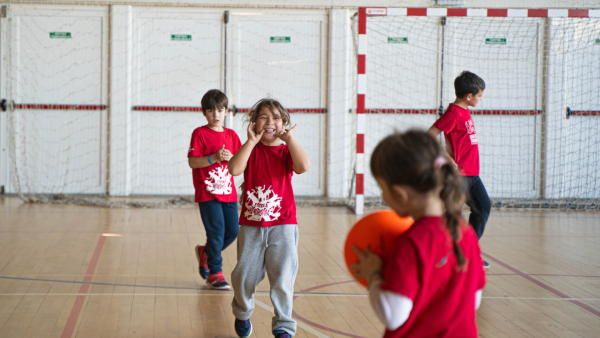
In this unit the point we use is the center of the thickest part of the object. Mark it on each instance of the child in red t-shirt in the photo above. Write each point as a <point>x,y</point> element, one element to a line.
<point>268,237</point>
<point>431,285</point>
<point>463,148</point>
<point>211,147</point>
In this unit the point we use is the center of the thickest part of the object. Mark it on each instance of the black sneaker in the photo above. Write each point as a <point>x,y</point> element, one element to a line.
<point>486,265</point>
<point>281,334</point>
<point>243,328</point>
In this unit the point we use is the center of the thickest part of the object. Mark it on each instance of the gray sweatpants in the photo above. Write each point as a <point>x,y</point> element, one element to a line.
<point>274,251</point>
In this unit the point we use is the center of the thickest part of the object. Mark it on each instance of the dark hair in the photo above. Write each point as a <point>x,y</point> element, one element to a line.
<point>468,83</point>
<point>408,159</point>
<point>214,99</point>
<point>272,105</point>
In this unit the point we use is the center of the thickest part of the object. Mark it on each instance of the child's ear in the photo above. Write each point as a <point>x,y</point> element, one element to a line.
<point>400,193</point>
<point>468,97</point>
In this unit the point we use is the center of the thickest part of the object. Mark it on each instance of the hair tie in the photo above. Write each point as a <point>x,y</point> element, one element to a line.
<point>439,162</point>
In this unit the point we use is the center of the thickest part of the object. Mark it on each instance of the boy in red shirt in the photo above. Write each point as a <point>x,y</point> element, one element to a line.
<point>211,147</point>
<point>268,238</point>
<point>462,146</point>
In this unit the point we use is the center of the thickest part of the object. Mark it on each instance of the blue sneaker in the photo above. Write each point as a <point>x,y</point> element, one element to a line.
<point>281,334</point>
<point>486,265</point>
<point>243,328</point>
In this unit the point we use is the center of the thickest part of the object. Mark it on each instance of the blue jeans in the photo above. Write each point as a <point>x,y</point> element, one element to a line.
<point>221,224</point>
<point>479,202</point>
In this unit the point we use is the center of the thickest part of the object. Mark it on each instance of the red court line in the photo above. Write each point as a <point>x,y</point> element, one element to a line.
<point>78,305</point>
<point>543,285</point>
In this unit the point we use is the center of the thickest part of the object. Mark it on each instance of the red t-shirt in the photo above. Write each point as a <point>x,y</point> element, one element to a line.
<point>268,198</point>
<point>214,181</point>
<point>424,269</point>
<point>461,139</point>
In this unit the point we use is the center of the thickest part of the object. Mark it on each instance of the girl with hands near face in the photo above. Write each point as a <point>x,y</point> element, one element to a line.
<point>268,237</point>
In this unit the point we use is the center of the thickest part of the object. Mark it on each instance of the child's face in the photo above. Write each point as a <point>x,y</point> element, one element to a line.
<point>473,100</point>
<point>270,122</point>
<point>215,117</point>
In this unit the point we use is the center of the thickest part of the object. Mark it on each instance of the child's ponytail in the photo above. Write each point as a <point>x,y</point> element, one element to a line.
<point>453,198</point>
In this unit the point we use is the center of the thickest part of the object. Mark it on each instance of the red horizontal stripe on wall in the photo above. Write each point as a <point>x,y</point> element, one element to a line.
<point>292,110</point>
<point>505,112</point>
<point>416,11</point>
<point>400,111</point>
<point>60,106</point>
<point>578,13</point>
<point>457,12</point>
<point>537,13</point>
<point>585,112</point>
<point>497,12</point>
<point>165,108</point>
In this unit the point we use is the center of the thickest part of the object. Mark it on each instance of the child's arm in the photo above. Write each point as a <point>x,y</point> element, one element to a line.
<point>391,308</point>
<point>299,157</point>
<point>239,161</point>
<point>202,162</point>
<point>435,132</point>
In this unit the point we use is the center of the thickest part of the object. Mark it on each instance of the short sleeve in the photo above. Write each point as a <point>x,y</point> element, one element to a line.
<point>447,122</point>
<point>402,272</point>
<point>235,140</point>
<point>196,145</point>
<point>289,161</point>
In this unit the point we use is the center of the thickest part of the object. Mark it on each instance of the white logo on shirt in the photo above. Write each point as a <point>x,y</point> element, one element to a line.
<point>471,131</point>
<point>219,181</point>
<point>191,149</point>
<point>262,205</point>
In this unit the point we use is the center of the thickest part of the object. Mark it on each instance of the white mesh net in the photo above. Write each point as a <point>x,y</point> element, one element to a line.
<point>534,68</point>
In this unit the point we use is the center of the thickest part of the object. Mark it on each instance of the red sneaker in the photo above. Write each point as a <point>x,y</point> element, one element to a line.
<point>217,281</point>
<point>202,261</point>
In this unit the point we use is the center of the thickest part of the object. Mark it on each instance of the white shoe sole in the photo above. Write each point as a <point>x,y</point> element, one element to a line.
<point>228,287</point>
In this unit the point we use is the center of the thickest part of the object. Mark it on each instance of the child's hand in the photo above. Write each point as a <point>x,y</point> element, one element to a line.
<point>252,135</point>
<point>223,154</point>
<point>287,135</point>
<point>367,263</point>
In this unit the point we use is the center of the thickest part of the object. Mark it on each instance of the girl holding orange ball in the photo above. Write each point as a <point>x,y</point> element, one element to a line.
<point>431,284</point>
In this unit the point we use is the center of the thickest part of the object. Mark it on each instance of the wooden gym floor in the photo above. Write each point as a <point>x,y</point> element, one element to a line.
<point>69,271</point>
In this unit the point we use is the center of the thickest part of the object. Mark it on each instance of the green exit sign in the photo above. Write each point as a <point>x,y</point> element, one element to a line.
<point>397,40</point>
<point>281,39</point>
<point>181,37</point>
<point>598,41</point>
<point>495,41</point>
<point>60,35</point>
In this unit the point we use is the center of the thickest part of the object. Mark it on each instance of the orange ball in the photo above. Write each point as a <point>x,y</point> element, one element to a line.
<point>377,231</point>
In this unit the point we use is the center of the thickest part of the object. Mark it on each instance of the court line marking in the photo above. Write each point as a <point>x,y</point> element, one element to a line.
<point>543,285</point>
<point>83,290</point>
<point>305,327</point>
<point>230,294</point>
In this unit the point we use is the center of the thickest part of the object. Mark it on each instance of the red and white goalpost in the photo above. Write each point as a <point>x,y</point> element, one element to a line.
<point>539,118</point>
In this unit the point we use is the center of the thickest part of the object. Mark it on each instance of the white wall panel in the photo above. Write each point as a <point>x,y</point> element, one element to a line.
<point>175,72</point>
<point>293,72</point>
<point>508,144</point>
<point>59,151</point>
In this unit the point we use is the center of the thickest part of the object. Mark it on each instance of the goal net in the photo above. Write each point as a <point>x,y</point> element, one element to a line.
<point>539,121</point>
